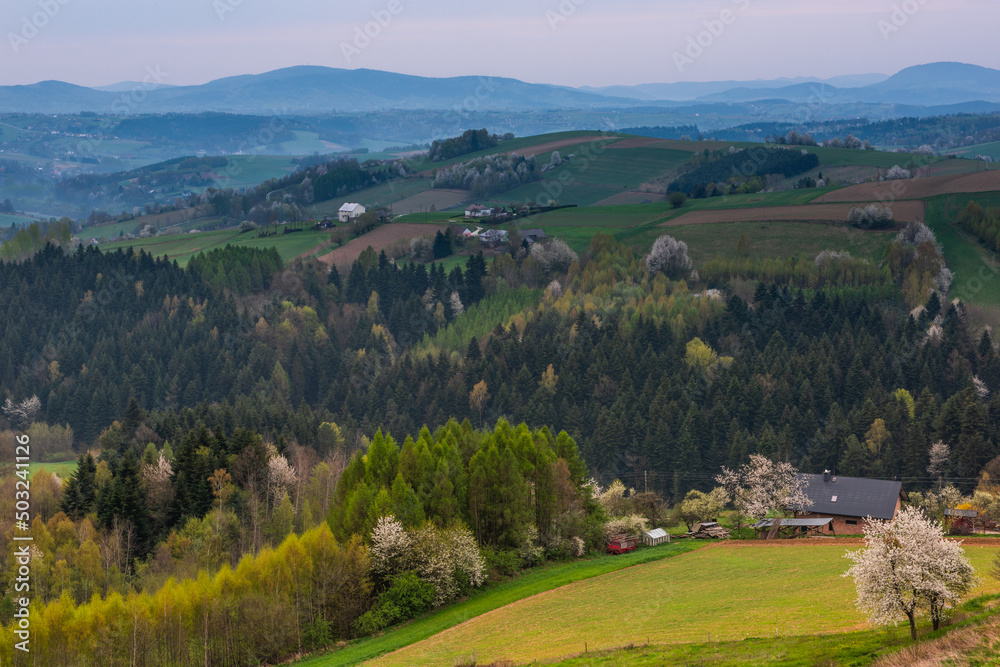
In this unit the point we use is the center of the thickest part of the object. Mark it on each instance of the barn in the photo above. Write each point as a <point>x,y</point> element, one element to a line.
<point>848,501</point>
<point>350,211</point>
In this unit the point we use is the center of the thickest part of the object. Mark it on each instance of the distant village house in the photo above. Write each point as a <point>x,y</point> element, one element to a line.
<point>477,211</point>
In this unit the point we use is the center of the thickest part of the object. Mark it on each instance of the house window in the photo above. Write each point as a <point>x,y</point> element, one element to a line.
<point>834,499</point>
<point>852,522</point>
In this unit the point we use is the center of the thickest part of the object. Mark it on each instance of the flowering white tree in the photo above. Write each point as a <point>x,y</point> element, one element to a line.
<point>939,454</point>
<point>908,568</point>
<point>23,413</point>
<point>389,552</point>
<point>670,256</point>
<point>281,476</point>
<point>436,555</point>
<point>762,485</point>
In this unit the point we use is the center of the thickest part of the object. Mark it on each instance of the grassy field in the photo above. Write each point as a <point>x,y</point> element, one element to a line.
<point>772,239</point>
<point>733,591</point>
<point>594,176</point>
<point>992,149</point>
<point>530,583</point>
<point>977,273</point>
<point>6,220</point>
<point>883,159</point>
<point>182,247</point>
<point>380,195</point>
<point>64,469</point>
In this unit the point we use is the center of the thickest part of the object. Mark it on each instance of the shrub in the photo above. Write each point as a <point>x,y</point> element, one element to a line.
<point>872,216</point>
<point>407,598</point>
<point>677,199</point>
<point>501,563</point>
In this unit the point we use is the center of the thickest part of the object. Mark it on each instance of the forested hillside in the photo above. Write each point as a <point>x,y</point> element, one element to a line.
<point>240,421</point>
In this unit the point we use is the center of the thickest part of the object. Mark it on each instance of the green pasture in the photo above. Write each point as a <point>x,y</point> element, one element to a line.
<point>730,592</point>
<point>531,582</point>
<point>64,469</point>
<point>977,271</point>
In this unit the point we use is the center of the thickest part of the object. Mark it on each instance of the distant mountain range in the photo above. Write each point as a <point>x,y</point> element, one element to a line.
<point>320,90</point>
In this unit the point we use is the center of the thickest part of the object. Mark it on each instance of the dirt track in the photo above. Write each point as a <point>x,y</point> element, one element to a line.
<point>917,188</point>
<point>379,239</point>
<point>904,211</point>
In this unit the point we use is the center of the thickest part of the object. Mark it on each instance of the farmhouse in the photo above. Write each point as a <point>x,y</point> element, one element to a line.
<point>478,211</point>
<point>350,211</point>
<point>850,500</point>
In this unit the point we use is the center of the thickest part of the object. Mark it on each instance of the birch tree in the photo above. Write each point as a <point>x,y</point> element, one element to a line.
<point>908,569</point>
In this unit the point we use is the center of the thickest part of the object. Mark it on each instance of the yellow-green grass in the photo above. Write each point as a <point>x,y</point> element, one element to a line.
<point>531,582</point>
<point>733,591</point>
<point>182,247</point>
<point>64,469</point>
<point>976,268</point>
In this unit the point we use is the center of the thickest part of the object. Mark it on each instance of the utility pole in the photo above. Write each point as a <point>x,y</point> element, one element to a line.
<point>645,480</point>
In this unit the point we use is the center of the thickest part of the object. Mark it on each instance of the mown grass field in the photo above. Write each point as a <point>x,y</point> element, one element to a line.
<point>733,591</point>
<point>534,581</point>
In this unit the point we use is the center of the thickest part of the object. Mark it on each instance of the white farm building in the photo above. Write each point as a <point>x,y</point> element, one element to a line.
<point>349,212</point>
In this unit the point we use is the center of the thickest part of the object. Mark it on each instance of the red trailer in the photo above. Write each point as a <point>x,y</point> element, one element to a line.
<point>622,544</point>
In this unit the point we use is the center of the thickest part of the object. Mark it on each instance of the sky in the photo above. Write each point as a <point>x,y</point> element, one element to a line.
<point>568,42</point>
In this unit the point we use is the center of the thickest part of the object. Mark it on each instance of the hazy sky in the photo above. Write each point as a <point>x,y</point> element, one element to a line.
<point>571,42</point>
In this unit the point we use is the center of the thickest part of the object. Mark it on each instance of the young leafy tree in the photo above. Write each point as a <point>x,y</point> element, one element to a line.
<point>908,568</point>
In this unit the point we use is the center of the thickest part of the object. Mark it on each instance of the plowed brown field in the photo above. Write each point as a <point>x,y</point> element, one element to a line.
<point>379,238</point>
<point>917,188</point>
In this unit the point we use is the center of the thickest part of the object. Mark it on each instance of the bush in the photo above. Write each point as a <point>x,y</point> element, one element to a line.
<point>677,199</point>
<point>872,216</point>
<point>407,598</point>
<point>501,564</point>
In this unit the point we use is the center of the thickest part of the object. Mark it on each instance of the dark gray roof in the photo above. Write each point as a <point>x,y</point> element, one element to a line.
<point>856,496</point>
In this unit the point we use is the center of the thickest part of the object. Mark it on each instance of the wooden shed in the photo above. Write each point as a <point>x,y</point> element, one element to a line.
<point>656,536</point>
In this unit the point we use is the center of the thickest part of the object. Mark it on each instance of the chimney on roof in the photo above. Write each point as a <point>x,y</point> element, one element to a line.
<point>826,475</point>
